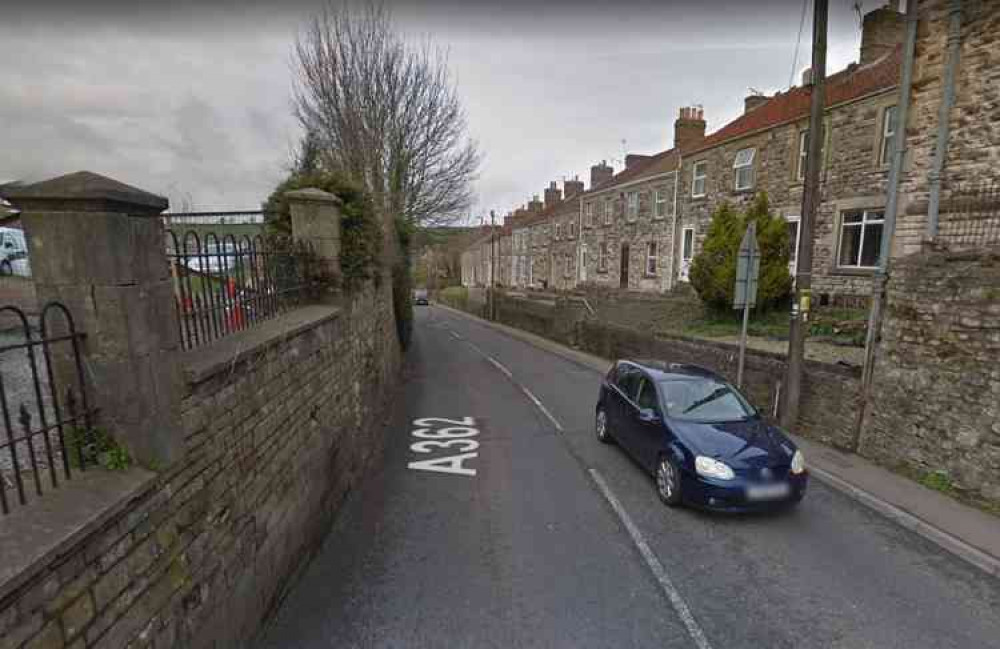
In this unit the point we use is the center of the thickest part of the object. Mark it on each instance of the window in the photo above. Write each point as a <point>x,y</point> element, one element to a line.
<point>659,203</point>
<point>860,239</point>
<point>567,265</point>
<point>698,173</point>
<point>743,164</point>
<point>632,206</point>
<point>651,258</point>
<point>602,259</point>
<point>647,395</point>
<point>628,380</point>
<point>572,229</point>
<point>888,131</point>
<point>793,244</point>
<point>588,213</point>
<point>608,211</point>
<point>558,230</point>
<point>803,154</point>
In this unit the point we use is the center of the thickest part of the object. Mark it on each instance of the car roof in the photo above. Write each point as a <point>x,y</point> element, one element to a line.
<point>663,371</point>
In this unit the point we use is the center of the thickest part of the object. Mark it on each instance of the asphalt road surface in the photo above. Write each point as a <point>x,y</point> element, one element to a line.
<point>517,528</point>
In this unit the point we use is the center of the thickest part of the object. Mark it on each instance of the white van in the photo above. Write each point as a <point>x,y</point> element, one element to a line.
<point>14,253</point>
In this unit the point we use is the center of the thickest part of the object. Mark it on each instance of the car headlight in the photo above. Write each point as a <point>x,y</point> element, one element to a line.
<point>712,468</point>
<point>798,462</point>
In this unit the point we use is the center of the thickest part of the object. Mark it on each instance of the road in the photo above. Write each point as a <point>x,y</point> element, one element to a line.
<point>560,541</point>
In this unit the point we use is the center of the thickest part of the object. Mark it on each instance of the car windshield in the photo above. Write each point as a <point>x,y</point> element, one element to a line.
<point>699,398</point>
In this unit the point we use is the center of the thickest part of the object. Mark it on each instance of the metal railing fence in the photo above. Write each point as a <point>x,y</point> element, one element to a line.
<point>48,432</point>
<point>970,217</point>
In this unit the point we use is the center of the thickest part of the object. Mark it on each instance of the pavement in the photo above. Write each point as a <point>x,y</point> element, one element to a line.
<point>517,528</point>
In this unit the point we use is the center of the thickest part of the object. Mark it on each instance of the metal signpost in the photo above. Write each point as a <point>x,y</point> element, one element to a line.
<point>745,295</point>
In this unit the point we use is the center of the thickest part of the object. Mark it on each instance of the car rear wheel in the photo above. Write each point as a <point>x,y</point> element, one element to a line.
<point>601,427</point>
<point>6,269</point>
<point>668,482</point>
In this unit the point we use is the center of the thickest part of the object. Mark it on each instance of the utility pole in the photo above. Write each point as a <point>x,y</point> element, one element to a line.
<point>810,200</point>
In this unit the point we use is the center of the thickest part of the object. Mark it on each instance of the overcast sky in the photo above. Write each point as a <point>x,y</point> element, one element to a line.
<point>191,98</point>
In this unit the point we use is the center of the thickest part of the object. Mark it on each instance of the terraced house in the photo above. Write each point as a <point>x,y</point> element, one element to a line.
<point>765,150</point>
<point>639,229</point>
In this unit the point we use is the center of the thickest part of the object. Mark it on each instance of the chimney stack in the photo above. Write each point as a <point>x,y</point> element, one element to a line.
<point>881,31</point>
<point>552,195</point>
<point>534,205</point>
<point>689,129</point>
<point>631,159</point>
<point>750,102</point>
<point>600,174</point>
<point>572,187</point>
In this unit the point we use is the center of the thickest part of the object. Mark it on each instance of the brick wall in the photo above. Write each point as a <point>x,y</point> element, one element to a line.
<point>936,389</point>
<point>275,440</point>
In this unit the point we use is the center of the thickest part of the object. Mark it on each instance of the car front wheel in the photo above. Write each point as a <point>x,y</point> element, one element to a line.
<point>668,482</point>
<point>601,427</point>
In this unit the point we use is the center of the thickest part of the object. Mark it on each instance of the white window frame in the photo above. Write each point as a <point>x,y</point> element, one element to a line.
<point>702,166</point>
<point>651,259</point>
<point>588,213</point>
<point>631,206</point>
<point>609,211</point>
<point>868,218</point>
<point>743,162</point>
<point>884,153</point>
<point>659,201</point>
<point>686,257</point>
<point>582,266</point>
<point>602,258</point>
<point>793,261</point>
<point>558,231</point>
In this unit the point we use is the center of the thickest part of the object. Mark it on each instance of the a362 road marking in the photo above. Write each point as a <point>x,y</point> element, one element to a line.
<point>450,434</point>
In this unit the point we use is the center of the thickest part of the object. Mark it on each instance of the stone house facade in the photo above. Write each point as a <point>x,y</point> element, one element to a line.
<point>764,150</point>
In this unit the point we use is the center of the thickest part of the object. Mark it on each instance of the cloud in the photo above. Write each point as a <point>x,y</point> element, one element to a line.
<point>192,97</point>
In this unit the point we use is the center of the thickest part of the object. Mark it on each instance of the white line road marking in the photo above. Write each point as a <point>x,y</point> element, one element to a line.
<point>500,367</point>
<point>654,564</point>
<point>545,411</point>
<point>506,372</point>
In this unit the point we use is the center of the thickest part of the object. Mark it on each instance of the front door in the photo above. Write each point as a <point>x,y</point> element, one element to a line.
<point>623,277</point>
<point>687,254</point>
<point>583,263</point>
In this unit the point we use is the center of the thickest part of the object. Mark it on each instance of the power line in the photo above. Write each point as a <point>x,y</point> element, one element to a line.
<point>798,43</point>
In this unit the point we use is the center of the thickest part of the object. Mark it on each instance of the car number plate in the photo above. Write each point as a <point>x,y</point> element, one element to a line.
<point>768,491</point>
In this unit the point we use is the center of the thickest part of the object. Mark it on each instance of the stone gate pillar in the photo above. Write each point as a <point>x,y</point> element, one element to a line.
<point>316,219</point>
<point>97,246</point>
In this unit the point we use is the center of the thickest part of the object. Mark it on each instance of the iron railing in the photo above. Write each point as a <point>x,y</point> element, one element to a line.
<point>970,218</point>
<point>224,283</point>
<point>48,432</point>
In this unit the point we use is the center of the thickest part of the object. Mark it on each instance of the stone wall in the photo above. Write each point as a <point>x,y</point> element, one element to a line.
<point>935,403</point>
<point>280,422</point>
<point>973,150</point>
<point>831,393</point>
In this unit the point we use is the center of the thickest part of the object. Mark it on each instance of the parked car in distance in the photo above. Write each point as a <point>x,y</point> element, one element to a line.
<point>699,437</point>
<point>420,297</point>
<point>14,253</point>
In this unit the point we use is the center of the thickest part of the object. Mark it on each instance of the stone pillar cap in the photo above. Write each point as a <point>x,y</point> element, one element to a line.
<point>312,194</point>
<point>84,191</point>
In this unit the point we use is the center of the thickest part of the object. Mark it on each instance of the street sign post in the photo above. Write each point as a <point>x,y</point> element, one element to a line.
<point>745,295</point>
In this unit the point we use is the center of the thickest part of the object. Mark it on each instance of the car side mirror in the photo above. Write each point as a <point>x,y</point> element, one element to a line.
<point>648,416</point>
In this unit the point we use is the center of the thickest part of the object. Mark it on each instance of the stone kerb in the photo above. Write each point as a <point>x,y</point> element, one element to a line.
<point>316,218</point>
<point>97,247</point>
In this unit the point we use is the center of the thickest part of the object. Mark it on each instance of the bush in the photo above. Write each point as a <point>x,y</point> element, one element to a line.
<point>402,285</point>
<point>713,271</point>
<point>360,230</point>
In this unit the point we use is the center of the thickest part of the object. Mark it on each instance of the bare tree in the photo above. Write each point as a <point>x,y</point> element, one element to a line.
<point>385,113</point>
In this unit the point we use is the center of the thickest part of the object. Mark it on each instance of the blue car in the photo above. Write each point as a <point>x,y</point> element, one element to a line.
<point>699,437</point>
